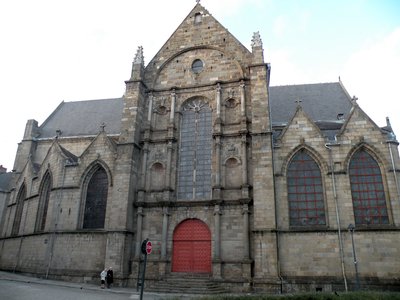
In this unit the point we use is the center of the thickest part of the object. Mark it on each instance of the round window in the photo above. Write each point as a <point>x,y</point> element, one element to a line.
<point>197,66</point>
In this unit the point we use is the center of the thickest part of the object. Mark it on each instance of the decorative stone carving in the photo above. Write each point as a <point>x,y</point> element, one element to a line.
<point>159,155</point>
<point>231,103</point>
<point>256,40</point>
<point>195,105</point>
<point>231,150</point>
<point>161,106</point>
<point>161,110</point>
<point>139,58</point>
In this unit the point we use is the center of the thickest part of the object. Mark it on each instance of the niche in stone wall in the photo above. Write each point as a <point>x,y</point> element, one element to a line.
<point>160,114</point>
<point>231,111</point>
<point>233,173</point>
<point>157,176</point>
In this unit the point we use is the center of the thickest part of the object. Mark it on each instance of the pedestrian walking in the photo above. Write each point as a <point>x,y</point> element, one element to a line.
<point>103,276</point>
<point>110,277</point>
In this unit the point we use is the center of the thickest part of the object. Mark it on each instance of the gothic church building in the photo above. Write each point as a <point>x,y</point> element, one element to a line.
<point>234,182</point>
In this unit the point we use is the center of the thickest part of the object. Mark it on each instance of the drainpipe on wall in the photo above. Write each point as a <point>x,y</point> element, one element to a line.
<point>57,209</point>
<point>278,258</point>
<point>394,167</point>
<point>277,235</point>
<point>337,213</point>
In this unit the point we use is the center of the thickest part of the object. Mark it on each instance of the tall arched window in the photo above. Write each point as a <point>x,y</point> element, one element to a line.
<point>194,173</point>
<point>43,203</point>
<point>96,200</point>
<point>305,191</point>
<point>18,210</point>
<point>369,201</point>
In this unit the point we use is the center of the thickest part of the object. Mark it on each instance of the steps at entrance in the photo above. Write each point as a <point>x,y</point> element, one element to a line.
<point>188,284</point>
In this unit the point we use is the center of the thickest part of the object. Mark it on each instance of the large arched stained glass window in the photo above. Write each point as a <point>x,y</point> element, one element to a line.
<point>18,210</point>
<point>305,191</point>
<point>194,171</point>
<point>369,202</point>
<point>96,200</point>
<point>43,203</point>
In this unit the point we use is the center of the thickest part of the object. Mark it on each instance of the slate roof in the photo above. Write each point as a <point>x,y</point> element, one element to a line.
<point>322,102</point>
<point>84,118</point>
<point>5,181</point>
<point>71,157</point>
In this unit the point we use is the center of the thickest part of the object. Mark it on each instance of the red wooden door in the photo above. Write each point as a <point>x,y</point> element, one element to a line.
<point>191,247</point>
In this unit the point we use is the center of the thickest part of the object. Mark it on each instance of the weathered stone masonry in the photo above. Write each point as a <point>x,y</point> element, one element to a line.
<point>247,185</point>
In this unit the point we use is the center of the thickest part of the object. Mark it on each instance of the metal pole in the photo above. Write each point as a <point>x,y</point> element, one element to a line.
<point>335,197</point>
<point>139,273</point>
<point>351,229</point>
<point>142,281</point>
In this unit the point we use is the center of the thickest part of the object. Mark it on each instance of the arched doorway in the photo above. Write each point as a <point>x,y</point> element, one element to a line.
<point>191,247</point>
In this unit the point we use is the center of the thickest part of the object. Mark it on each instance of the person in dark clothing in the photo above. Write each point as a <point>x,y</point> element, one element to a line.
<point>110,277</point>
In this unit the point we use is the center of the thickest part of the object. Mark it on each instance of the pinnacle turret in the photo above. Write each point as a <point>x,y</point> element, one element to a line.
<point>257,48</point>
<point>138,65</point>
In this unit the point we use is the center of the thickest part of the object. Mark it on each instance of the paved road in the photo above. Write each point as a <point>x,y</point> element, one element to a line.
<point>14,286</point>
<point>11,290</point>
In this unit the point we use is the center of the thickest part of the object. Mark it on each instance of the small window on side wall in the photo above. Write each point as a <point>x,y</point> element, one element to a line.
<point>197,18</point>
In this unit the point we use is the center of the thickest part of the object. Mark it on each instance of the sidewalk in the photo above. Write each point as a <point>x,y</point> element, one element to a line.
<point>130,291</point>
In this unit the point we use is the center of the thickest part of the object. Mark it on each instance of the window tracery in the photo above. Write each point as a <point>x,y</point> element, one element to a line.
<point>18,210</point>
<point>367,190</point>
<point>96,200</point>
<point>194,172</point>
<point>305,191</point>
<point>43,203</point>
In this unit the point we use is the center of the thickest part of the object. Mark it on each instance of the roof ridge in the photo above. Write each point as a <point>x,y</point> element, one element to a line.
<point>88,100</point>
<point>316,83</point>
<point>52,114</point>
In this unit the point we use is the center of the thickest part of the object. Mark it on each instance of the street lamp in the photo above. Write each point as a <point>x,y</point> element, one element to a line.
<point>351,229</point>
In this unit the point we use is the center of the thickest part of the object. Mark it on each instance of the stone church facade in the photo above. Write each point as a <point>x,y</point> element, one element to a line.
<point>251,186</point>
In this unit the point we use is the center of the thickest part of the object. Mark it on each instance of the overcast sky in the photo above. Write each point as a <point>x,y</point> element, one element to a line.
<point>69,50</point>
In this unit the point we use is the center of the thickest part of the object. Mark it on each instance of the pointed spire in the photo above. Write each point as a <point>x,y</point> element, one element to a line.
<point>388,122</point>
<point>139,58</point>
<point>257,48</point>
<point>391,135</point>
<point>256,40</point>
<point>138,65</point>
